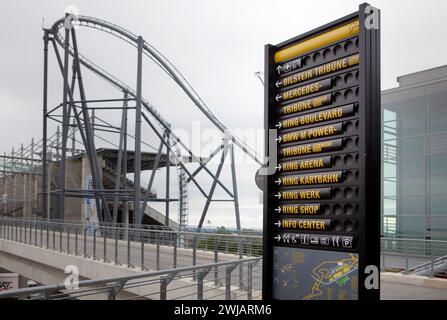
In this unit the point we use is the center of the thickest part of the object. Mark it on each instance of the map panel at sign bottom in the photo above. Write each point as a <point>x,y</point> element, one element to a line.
<point>302,274</point>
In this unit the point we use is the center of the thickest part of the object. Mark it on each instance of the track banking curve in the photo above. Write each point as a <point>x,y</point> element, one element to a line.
<point>161,61</point>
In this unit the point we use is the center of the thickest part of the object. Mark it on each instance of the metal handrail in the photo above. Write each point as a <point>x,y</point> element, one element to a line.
<point>140,228</point>
<point>121,280</point>
<point>414,240</point>
<point>413,256</point>
<point>134,248</point>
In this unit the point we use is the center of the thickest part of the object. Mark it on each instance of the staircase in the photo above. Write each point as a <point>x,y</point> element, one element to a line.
<point>183,203</point>
<point>151,215</point>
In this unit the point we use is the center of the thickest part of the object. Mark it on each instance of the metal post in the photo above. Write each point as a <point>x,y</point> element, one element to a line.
<point>432,267</point>
<point>128,250</point>
<point>163,288</point>
<point>62,173</point>
<point>73,137</point>
<point>76,241</point>
<point>35,233</point>
<point>158,251</point>
<point>41,234</point>
<point>125,217</point>
<point>119,165</point>
<point>200,277</point>
<point>54,238</point>
<point>406,259</point>
<point>235,194</point>
<point>249,281</point>
<point>58,135</point>
<point>168,165</point>
<point>112,294</point>
<point>116,246</point>
<point>137,216</point>
<point>94,243</point>
<point>228,270</point>
<point>48,234</point>
<point>105,245</point>
<point>250,248</point>
<point>142,251</point>
<point>194,250</point>
<point>44,130</point>
<point>48,203</point>
<point>216,260</point>
<point>241,267</point>
<point>60,237</point>
<point>175,251</point>
<point>68,239</point>
<point>85,242</point>
<point>93,119</point>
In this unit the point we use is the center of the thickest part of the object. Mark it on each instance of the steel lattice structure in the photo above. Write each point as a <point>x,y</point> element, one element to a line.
<point>79,116</point>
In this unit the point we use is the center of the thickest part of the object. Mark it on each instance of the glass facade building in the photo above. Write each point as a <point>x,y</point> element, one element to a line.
<point>414,145</point>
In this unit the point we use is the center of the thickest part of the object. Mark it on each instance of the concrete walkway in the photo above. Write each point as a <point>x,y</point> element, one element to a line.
<point>397,291</point>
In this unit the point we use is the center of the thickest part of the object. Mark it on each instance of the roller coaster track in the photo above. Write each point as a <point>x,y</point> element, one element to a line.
<point>162,62</point>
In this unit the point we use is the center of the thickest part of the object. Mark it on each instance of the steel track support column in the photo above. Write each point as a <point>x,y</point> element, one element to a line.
<point>45,195</point>
<point>120,160</point>
<point>62,166</point>
<point>73,137</point>
<point>58,135</point>
<point>137,216</point>
<point>168,165</point>
<point>235,193</point>
<point>125,217</point>
<point>70,94</point>
<point>93,119</point>
<point>90,147</point>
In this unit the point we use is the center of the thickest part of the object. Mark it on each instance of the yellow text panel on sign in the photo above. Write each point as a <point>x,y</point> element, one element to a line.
<point>345,31</point>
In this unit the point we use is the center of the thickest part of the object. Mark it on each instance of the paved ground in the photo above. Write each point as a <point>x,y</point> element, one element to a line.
<point>394,291</point>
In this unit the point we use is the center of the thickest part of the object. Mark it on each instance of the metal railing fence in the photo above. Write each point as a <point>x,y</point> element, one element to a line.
<point>416,256</point>
<point>146,249</point>
<point>173,284</point>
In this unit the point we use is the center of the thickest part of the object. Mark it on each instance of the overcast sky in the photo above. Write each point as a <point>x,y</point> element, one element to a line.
<point>217,45</point>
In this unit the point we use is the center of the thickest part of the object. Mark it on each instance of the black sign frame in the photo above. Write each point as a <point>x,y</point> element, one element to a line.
<point>369,200</point>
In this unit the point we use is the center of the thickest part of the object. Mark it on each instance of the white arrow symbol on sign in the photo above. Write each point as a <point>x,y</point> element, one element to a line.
<point>278,83</point>
<point>279,139</point>
<point>278,97</point>
<point>278,68</point>
<point>278,167</point>
<point>277,238</point>
<point>278,195</point>
<point>278,210</point>
<point>278,182</point>
<point>279,125</point>
<point>278,224</point>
